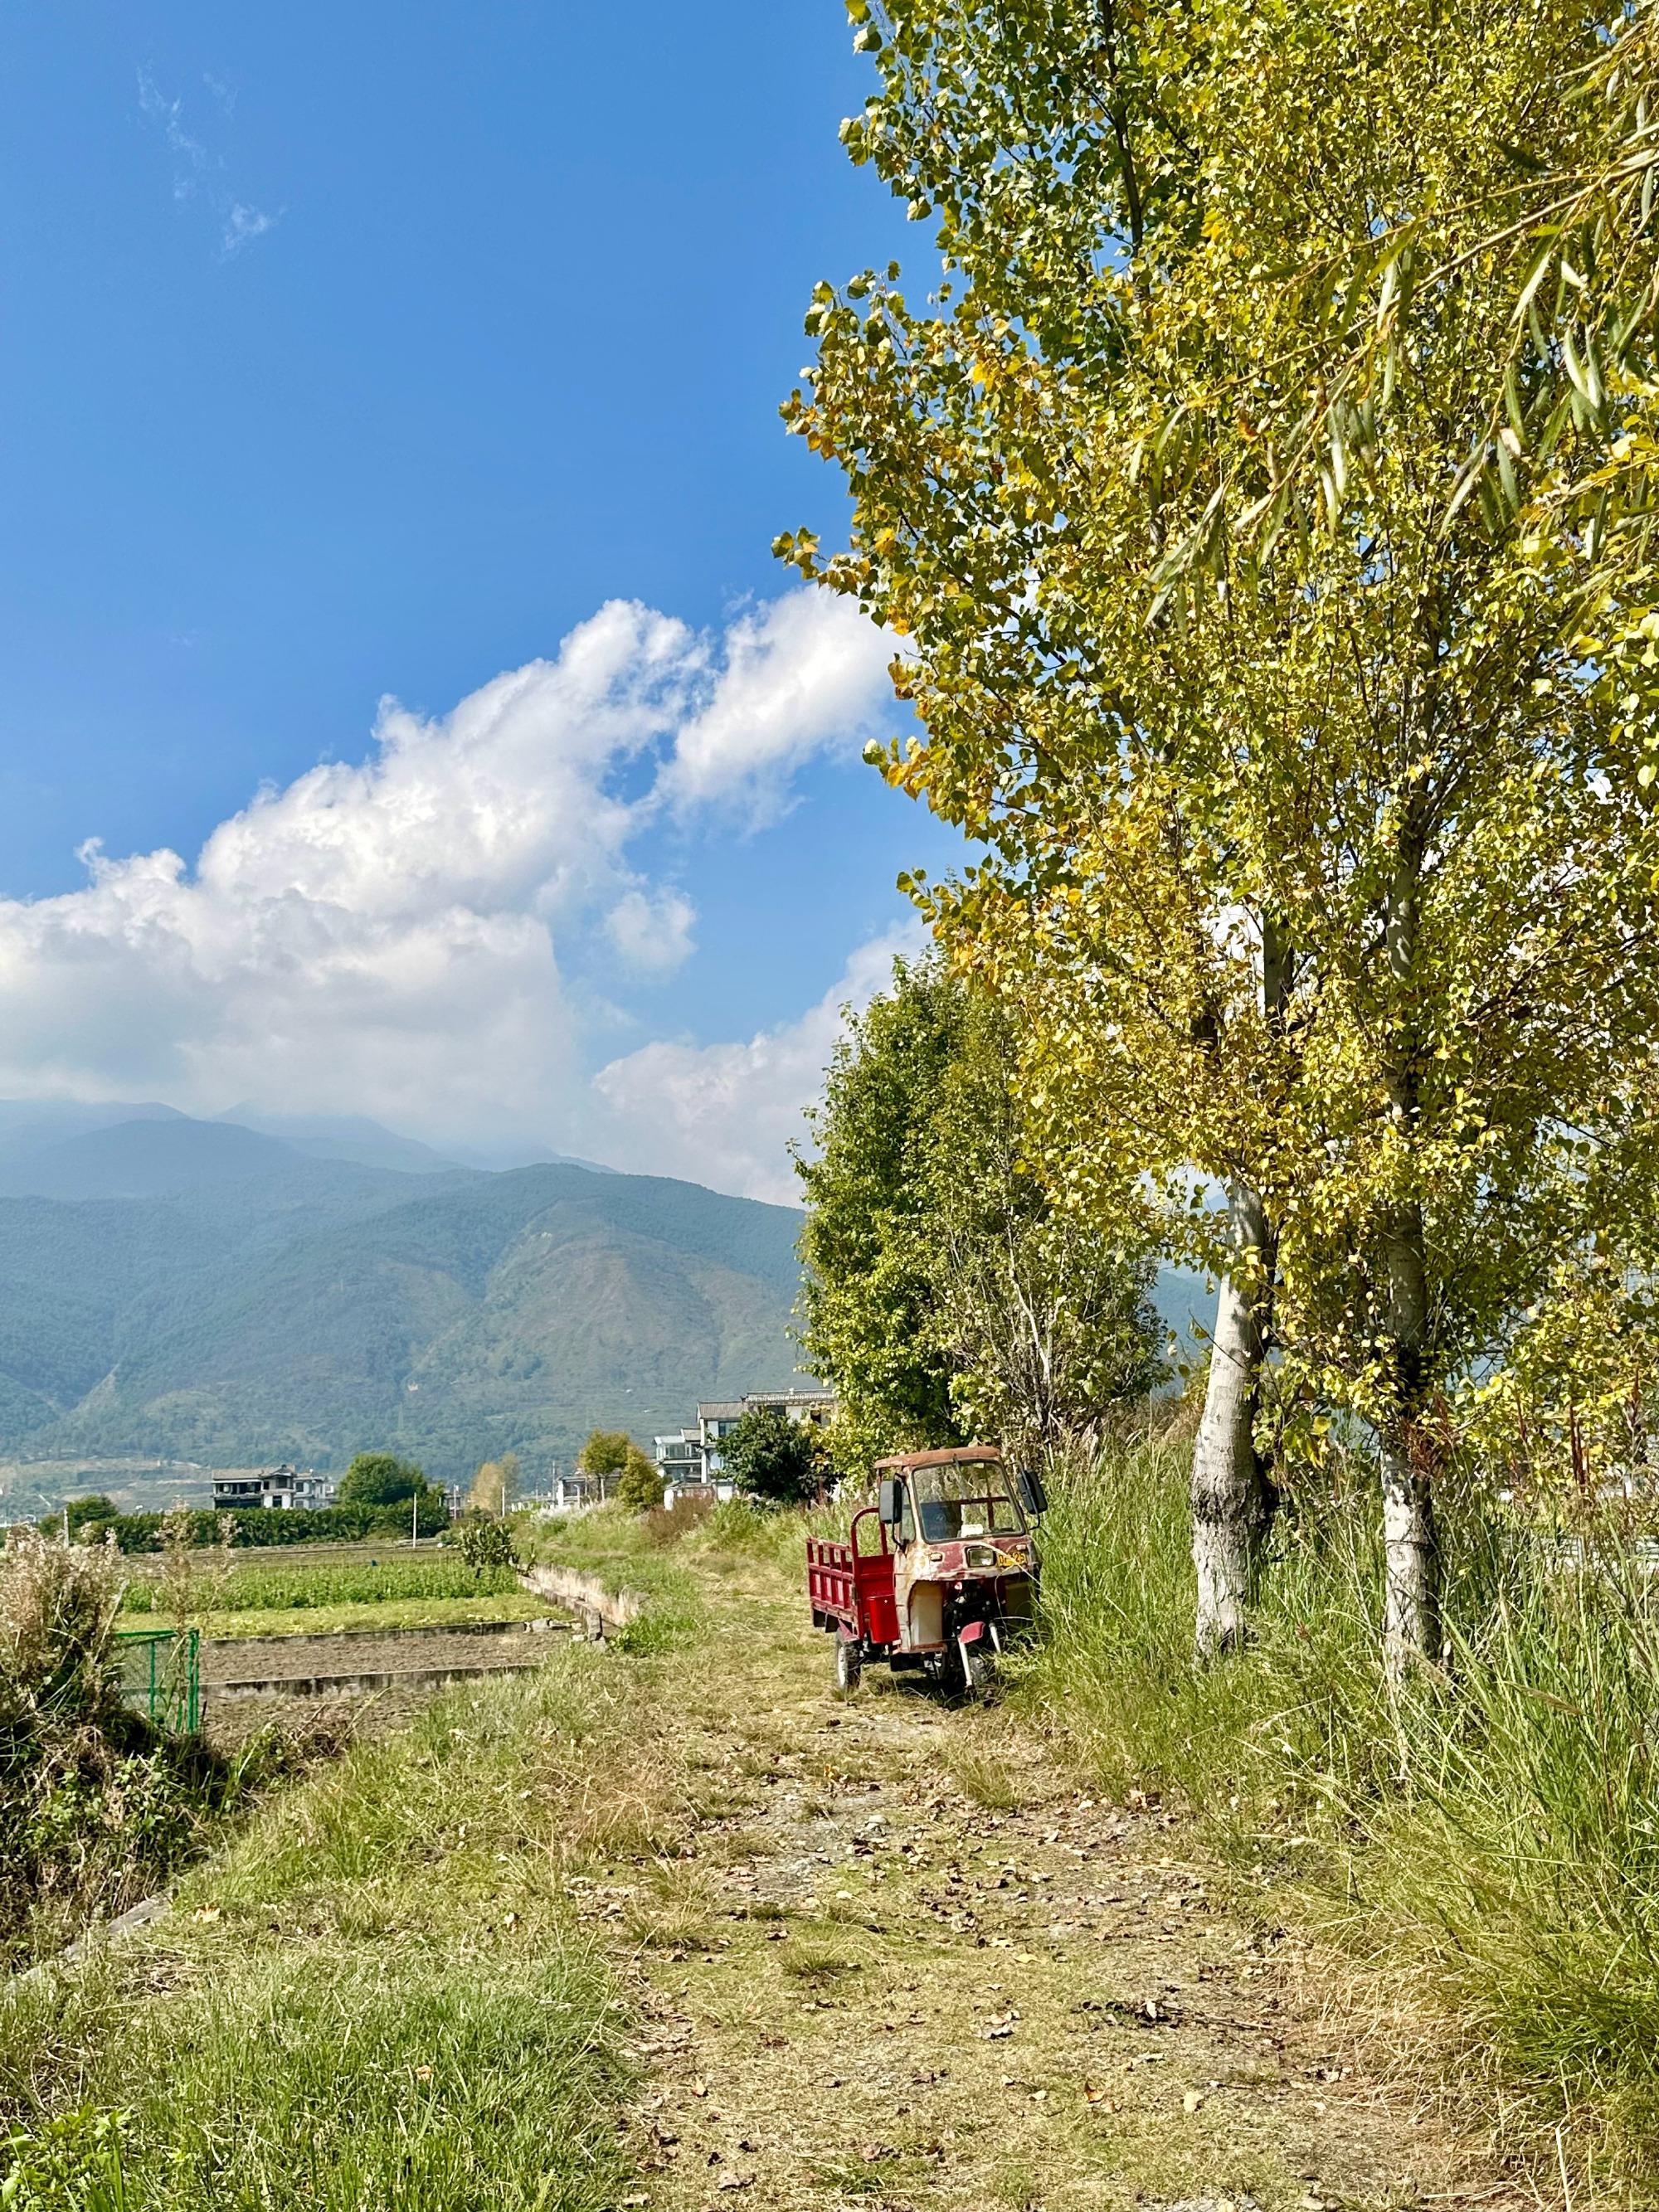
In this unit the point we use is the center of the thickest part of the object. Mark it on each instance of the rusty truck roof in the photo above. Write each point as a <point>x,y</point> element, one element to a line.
<point>951,1458</point>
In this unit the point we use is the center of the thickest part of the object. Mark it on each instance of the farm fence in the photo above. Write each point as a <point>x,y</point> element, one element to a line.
<point>161,1674</point>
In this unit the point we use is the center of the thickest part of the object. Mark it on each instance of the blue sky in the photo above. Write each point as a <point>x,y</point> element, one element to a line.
<point>368,352</point>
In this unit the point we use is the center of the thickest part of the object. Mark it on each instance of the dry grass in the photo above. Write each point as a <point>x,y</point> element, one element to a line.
<point>664,1525</point>
<point>874,1919</point>
<point>675,1909</point>
<point>802,1959</point>
<point>984,1779</point>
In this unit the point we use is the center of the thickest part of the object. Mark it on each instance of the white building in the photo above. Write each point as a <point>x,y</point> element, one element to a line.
<point>570,1493</point>
<point>279,1489</point>
<point>688,1460</point>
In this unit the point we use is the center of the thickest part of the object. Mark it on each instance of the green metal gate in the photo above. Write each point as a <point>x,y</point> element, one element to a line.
<point>161,1674</point>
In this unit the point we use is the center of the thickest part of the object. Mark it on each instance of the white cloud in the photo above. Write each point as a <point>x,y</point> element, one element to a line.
<point>726,1113</point>
<point>190,157</point>
<point>806,674</point>
<point>398,936</point>
<point>242,225</point>
<point>653,932</point>
<point>196,170</point>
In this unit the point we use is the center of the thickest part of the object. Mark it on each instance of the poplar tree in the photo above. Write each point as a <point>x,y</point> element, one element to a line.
<point>1241,633</point>
<point>945,1296</point>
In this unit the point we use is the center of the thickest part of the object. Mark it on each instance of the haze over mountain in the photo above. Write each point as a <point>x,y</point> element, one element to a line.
<point>212,1292</point>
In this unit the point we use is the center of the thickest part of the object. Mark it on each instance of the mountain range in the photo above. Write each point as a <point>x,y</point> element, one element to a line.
<point>258,1287</point>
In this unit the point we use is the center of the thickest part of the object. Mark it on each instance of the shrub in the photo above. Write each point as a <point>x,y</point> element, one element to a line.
<point>95,1802</point>
<point>640,1487</point>
<point>770,1457</point>
<point>484,1544</point>
<point>71,2164</point>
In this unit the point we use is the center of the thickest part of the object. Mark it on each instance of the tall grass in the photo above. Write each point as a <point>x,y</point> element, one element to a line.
<point>377,1998</point>
<point>97,1804</point>
<point>1486,1843</point>
<point>622,1550</point>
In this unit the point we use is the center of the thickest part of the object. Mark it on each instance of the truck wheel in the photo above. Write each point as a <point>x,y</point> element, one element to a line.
<point>849,1667</point>
<point>978,1665</point>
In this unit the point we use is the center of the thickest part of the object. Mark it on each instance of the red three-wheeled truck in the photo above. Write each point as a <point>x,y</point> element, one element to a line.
<point>940,1573</point>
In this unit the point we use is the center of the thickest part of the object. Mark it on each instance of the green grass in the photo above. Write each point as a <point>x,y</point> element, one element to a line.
<point>328,1620</point>
<point>614,1548</point>
<point>1487,1845</point>
<point>377,1998</point>
<point>290,1585</point>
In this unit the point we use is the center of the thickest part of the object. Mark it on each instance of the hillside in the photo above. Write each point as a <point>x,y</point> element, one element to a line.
<point>177,1289</point>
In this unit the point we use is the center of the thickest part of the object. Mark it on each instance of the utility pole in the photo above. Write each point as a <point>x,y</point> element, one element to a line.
<point>414,1517</point>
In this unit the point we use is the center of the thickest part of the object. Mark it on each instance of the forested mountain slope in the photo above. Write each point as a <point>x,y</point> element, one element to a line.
<point>204,1292</point>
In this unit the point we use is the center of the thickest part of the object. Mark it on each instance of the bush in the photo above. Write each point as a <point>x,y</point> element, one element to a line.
<point>95,1802</point>
<point>72,2164</point>
<point>485,1545</point>
<point>770,1457</point>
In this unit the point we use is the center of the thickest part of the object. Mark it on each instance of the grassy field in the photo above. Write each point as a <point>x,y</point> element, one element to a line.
<point>411,1965</point>
<point>343,1619</point>
<point>379,1996</point>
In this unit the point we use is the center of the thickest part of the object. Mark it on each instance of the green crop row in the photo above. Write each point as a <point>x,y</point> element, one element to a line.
<point>294,1586</point>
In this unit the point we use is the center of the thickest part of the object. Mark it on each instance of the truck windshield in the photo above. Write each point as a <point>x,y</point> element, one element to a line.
<point>971,1499</point>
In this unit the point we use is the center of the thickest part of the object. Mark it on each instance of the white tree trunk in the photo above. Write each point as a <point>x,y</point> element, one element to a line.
<point>1231,1498</point>
<point>1411,1562</point>
<point>1411,1621</point>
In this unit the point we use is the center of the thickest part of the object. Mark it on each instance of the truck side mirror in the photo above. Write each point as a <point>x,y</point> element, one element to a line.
<point>1032,1495</point>
<point>890,1503</point>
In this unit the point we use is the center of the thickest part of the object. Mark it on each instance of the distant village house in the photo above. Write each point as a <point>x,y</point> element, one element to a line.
<point>688,1460</point>
<point>574,1493</point>
<point>279,1489</point>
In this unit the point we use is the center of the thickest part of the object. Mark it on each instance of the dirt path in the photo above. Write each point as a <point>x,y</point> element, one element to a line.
<point>901,1961</point>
